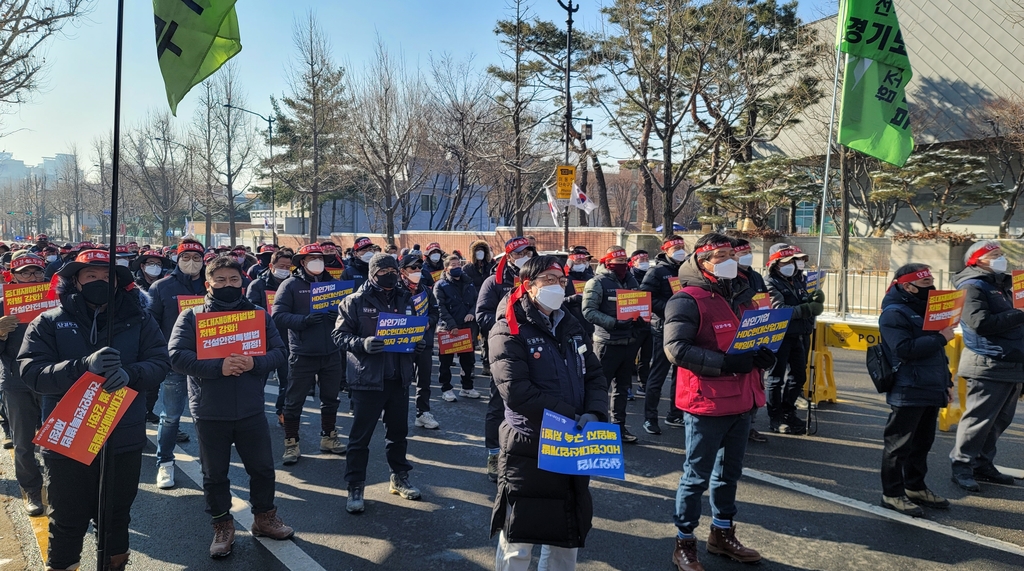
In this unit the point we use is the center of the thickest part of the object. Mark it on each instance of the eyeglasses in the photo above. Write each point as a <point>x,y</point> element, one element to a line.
<point>548,279</point>
<point>416,268</point>
<point>31,274</point>
<point>386,271</point>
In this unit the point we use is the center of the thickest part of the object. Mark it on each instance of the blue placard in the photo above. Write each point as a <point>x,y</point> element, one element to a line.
<point>401,333</point>
<point>814,280</point>
<point>594,451</point>
<point>419,303</point>
<point>761,327</point>
<point>325,297</point>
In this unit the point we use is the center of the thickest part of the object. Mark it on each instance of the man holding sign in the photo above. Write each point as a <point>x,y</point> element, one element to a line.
<point>60,346</point>
<point>992,363</point>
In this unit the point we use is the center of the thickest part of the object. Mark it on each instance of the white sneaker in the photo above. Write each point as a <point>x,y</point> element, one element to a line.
<point>449,396</point>
<point>470,394</point>
<point>426,420</point>
<point>165,476</point>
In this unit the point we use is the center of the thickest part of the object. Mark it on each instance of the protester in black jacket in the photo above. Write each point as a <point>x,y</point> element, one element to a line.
<point>639,264</point>
<point>579,272</point>
<point>149,268</point>
<point>922,386</point>
<point>495,288</point>
<point>313,358</point>
<point>263,256</point>
<point>663,282</point>
<point>481,263</point>
<point>261,292</point>
<point>379,380</point>
<point>541,361</point>
<point>424,302</point>
<point>226,401</point>
<point>456,300</point>
<point>433,262</point>
<point>358,268</point>
<point>22,406</point>
<point>60,346</point>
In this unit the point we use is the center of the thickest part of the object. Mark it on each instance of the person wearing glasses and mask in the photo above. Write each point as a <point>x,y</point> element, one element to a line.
<point>150,267</point>
<point>358,268</point>
<point>787,288</point>
<point>279,269</point>
<point>456,301</point>
<point>313,358</point>
<point>379,380</point>
<point>494,289</point>
<point>992,362</point>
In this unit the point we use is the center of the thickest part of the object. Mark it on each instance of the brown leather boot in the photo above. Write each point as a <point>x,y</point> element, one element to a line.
<point>685,555</point>
<point>269,525</point>
<point>724,542</point>
<point>223,538</point>
<point>118,562</point>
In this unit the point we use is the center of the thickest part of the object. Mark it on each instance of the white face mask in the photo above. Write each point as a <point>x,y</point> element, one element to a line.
<point>190,267</point>
<point>726,269</point>
<point>521,261</point>
<point>788,270</point>
<point>747,260</point>
<point>415,277</point>
<point>51,258</point>
<point>393,256</point>
<point>998,265</point>
<point>174,258</point>
<point>122,262</point>
<point>152,271</point>
<point>551,297</point>
<point>480,254</point>
<point>366,257</point>
<point>800,264</point>
<point>435,258</point>
<point>643,266</point>
<point>281,273</point>
<point>315,267</point>
<point>580,268</point>
<point>679,255</point>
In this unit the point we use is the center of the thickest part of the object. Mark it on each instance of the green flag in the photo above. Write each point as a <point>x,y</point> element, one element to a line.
<point>193,39</point>
<point>874,117</point>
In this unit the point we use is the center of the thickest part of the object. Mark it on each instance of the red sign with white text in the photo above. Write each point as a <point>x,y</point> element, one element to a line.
<point>190,301</point>
<point>220,334</point>
<point>26,301</point>
<point>630,304</point>
<point>944,309</point>
<point>453,342</point>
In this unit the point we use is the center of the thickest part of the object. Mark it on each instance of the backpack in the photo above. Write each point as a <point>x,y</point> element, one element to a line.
<point>881,370</point>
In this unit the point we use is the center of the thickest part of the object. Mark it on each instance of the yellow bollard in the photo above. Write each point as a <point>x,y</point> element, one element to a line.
<point>952,413</point>
<point>824,377</point>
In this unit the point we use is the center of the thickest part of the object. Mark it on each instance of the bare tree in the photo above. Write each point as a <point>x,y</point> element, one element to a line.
<point>1002,140</point>
<point>238,140</point>
<point>154,167</point>
<point>69,196</point>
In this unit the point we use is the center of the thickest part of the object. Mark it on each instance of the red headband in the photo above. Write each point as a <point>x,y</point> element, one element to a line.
<point>514,245</point>
<point>673,243</point>
<point>26,261</point>
<point>190,247</point>
<point>614,254</point>
<point>742,248</point>
<point>913,277</point>
<point>786,253</point>
<point>362,243</point>
<point>973,260</point>
<point>712,246</point>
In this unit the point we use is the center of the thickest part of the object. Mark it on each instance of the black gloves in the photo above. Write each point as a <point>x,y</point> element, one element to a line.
<point>373,345</point>
<point>763,358</point>
<point>639,323</point>
<point>104,361</point>
<point>742,363</point>
<point>420,346</point>
<point>116,380</point>
<point>581,422</point>
<point>816,308</point>
<point>623,324</point>
<point>817,296</point>
<point>314,319</point>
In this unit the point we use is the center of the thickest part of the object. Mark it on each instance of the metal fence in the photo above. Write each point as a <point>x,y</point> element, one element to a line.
<point>865,289</point>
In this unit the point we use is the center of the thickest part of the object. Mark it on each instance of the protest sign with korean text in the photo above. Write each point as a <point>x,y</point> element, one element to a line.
<point>190,301</point>
<point>271,295</point>
<point>335,272</point>
<point>579,286</point>
<point>436,275</point>
<point>401,333</point>
<point>630,304</point>
<point>761,328</point>
<point>1018,289</point>
<point>83,419</point>
<point>220,334</point>
<point>419,303</point>
<point>455,342</point>
<point>762,301</point>
<point>814,280</point>
<point>594,451</point>
<point>26,301</point>
<point>324,297</point>
<point>674,283</point>
<point>944,309</point>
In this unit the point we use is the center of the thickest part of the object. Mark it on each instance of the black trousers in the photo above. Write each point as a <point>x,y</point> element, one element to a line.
<point>423,369</point>
<point>660,369</point>
<point>304,372</point>
<point>908,436</point>
<point>783,387</point>
<point>251,437</point>
<point>282,382</point>
<point>444,372</point>
<point>25,417</point>
<point>492,420</point>
<point>367,407</point>
<point>618,362</point>
<point>72,489</point>
<point>643,364</point>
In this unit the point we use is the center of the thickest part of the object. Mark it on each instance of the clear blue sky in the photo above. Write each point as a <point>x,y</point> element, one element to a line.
<point>77,103</point>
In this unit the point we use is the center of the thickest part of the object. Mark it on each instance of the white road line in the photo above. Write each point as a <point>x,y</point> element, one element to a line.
<point>287,552</point>
<point>886,513</point>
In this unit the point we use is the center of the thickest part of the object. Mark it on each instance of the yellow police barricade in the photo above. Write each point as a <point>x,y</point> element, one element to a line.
<point>858,336</point>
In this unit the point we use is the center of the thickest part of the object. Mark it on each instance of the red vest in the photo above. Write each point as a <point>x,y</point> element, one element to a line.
<point>716,396</point>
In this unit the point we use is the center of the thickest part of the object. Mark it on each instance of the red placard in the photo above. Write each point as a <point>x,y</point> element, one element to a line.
<point>221,333</point>
<point>190,301</point>
<point>763,301</point>
<point>630,304</point>
<point>944,309</point>
<point>83,419</point>
<point>335,272</point>
<point>1018,289</point>
<point>436,275</point>
<point>454,342</point>
<point>673,282</point>
<point>270,301</point>
<point>26,301</point>
<point>579,286</point>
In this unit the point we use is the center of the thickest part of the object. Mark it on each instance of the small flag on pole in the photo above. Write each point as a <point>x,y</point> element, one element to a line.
<point>580,200</point>
<point>874,117</point>
<point>556,215</point>
<point>193,39</point>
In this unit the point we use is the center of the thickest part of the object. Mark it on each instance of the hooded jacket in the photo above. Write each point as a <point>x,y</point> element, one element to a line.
<point>657,282</point>
<point>478,270</point>
<point>291,306</point>
<point>599,300</point>
<point>993,330</point>
<point>164,295</point>
<point>456,299</point>
<point>357,320</point>
<point>790,292</point>
<point>52,355</point>
<point>923,375</point>
<point>491,294</point>
<point>356,271</point>
<point>574,301</point>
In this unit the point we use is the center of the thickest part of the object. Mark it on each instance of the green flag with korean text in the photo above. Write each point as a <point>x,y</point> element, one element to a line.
<point>193,39</point>
<point>874,117</point>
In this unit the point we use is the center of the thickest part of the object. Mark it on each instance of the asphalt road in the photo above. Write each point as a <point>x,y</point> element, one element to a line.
<point>805,503</point>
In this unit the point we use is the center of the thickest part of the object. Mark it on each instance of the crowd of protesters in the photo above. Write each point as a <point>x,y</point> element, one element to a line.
<point>550,338</point>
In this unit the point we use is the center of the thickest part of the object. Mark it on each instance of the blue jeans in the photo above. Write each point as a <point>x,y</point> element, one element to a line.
<point>173,396</point>
<point>714,454</point>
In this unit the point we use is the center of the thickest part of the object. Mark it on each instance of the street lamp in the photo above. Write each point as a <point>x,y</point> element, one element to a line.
<point>270,140</point>
<point>569,10</point>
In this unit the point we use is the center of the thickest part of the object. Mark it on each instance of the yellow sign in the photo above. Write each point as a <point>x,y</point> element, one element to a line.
<point>847,336</point>
<point>565,176</point>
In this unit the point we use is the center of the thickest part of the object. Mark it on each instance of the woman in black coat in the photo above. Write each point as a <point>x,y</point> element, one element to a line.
<point>456,301</point>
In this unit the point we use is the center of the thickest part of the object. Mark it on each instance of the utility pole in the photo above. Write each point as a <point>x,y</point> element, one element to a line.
<point>273,189</point>
<point>569,11</point>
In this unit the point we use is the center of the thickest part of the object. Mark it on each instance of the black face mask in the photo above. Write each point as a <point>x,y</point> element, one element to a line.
<point>96,292</point>
<point>922,292</point>
<point>226,294</point>
<point>387,281</point>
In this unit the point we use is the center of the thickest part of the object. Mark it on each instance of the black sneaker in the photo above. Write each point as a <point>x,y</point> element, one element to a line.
<point>992,475</point>
<point>651,427</point>
<point>354,504</point>
<point>796,424</point>
<point>966,482</point>
<point>629,394</point>
<point>641,391</point>
<point>675,421</point>
<point>782,426</point>
<point>628,437</point>
<point>181,437</point>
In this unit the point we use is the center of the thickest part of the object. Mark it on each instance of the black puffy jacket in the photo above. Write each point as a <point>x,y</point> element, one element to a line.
<point>164,295</point>
<point>791,292</point>
<point>599,299</point>
<point>923,375</point>
<point>291,306</point>
<point>657,282</point>
<point>491,294</point>
<point>356,271</point>
<point>10,376</point>
<point>456,299</point>
<point>357,320</point>
<point>993,330</point>
<point>52,356</point>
